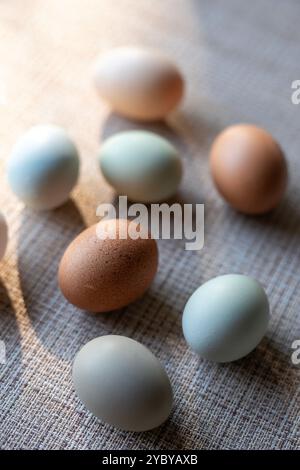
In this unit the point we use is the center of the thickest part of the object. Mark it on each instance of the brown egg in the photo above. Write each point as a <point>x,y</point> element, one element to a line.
<point>248,168</point>
<point>139,83</point>
<point>106,274</point>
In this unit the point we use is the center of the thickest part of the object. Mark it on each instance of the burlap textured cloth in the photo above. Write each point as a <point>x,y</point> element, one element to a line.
<point>239,60</point>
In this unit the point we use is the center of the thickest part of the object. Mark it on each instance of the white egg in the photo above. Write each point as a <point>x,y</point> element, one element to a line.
<point>121,382</point>
<point>226,317</point>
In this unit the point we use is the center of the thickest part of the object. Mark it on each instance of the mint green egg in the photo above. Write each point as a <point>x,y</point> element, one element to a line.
<point>226,317</point>
<point>141,165</point>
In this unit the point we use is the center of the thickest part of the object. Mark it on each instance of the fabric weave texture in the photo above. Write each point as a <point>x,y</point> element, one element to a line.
<point>239,60</point>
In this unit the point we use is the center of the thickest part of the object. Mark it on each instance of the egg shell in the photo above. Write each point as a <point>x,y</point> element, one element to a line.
<point>141,165</point>
<point>3,235</point>
<point>121,382</point>
<point>43,167</point>
<point>100,275</point>
<point>139,83</point>
<point>226,317</point>
<point>248,168</point>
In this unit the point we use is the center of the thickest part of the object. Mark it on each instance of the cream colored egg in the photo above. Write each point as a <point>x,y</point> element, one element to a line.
<point>139,83</point>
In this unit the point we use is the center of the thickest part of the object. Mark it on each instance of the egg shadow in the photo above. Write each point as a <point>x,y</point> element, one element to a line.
<point>266,366</point>
<point>268,363</point>
<point>160,438</point>
<point>145,320</point>
<point>11,352</point>
<point>281,225</point>
<point>42,240</point>
<point>171,435</point>
<point>199,128</point>
<point>285,218</point>
<point>163,437</point>
<point>179,127</point>
<point>116,123</point>
<point>266,374</point>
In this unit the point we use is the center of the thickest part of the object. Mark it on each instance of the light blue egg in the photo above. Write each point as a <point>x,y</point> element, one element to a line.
<point>141,165</point>
<point>43,167</point>
<point>226,317</point>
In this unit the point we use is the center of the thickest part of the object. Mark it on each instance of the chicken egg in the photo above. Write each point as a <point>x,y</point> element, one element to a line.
<point>141,165</point>
<point>226,317</point>
<point>248,168</point>
<point>43,167</point>
<point>122,383</point>
<point>139,83</point>
<point>102,273</point>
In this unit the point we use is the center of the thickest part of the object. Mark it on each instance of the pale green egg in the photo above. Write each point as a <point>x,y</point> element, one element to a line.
<point>141,165</point>
<point>122,383</point>
<point>226,317</point>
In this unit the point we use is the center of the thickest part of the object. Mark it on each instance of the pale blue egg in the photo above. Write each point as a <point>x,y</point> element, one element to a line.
<point>226,317</point>
<point>141,165</point>
<point>43,167</point>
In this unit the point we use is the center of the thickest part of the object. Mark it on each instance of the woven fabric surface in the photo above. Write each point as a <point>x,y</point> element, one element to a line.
<point>239,60</point>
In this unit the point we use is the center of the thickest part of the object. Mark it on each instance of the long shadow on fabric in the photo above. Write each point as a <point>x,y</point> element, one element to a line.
<point>266,371</point>
<point>269,365</point>
<point>11,353</point>
<point>43,237</point>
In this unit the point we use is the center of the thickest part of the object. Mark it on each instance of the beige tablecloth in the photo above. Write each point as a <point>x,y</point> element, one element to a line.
<point>239,59</point>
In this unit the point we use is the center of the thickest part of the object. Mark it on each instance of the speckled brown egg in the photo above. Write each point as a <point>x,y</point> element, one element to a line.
<point>100,274</point>
<point>248,168</point>
<point>139,83</point>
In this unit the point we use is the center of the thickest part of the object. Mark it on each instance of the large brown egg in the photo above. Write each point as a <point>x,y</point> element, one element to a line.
<point>102,274</point>
<point>139,83</point>
<point>248,168</point>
